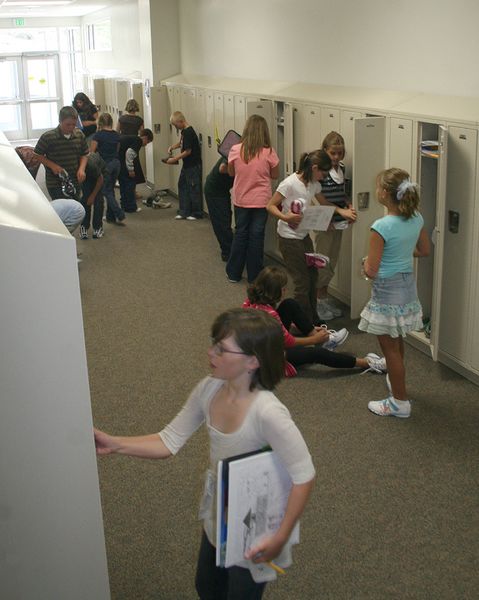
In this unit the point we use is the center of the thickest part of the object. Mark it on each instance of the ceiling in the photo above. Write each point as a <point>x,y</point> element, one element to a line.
<point>49,8</point>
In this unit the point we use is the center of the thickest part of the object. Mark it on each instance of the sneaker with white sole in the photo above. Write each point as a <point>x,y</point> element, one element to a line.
<point>179,218</point>
<point>336,338</point>
<point>83,233</point>
<point>98,233</point>
<point>376,363</point>
<point>390,407</point>
<point>333,308</point>
<point>159,203</point>
<point>323,311</point>
<point>191,218</point>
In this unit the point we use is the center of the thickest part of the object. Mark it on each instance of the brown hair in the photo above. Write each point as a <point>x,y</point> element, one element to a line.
<point>407,200</point>
<point>255,137</point>
<point>308,159</point>
<point>132,106</point>
<point>268,286</point>
<point>333,139</point>
<point>105,120</point>
<point>257,334</point>
<point>148,134</point>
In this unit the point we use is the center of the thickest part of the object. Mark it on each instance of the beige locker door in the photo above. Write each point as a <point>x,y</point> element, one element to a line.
<point>438,237</point>
<point>347,131</point>
<point>219,118</point>
<point>240,113</point>
<point>458,243</point>
<point>200,111</point>
<point>299,133</point>
<point>369,157</point>
<point>312,121</point>
<point>99,93</point>
<point>330,121</point>
<point>123,94</point>
<point>137,94</point>
<point>401,144</point>
<point>229,113</point>
<point>210,116</point>
<point>157,173</point>
<point>288,139</point>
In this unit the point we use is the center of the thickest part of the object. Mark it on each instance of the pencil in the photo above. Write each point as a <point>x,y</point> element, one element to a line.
<point>276,568</point>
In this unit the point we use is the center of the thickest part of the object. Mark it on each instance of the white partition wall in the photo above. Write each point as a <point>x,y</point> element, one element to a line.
<point>51,530</point>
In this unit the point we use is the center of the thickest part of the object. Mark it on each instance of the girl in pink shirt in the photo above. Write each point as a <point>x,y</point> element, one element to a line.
<point>253,164</point>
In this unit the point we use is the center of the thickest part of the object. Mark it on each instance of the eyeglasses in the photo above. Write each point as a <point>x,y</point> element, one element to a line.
<point>219,350</point>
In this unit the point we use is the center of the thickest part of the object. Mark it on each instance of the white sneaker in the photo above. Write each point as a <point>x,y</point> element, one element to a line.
<point>376,363</point>
<point>191,218</point>
<point>333,308</point>
<point>390,407</point>
<point>336,338</point>
<point>179,218</point>
<point>158,203</point>
<point>323,311</point>
<point>83,233</point>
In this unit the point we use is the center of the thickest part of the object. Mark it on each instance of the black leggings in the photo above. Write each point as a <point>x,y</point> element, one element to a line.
<point>216,583</point>
<point>290,312</point>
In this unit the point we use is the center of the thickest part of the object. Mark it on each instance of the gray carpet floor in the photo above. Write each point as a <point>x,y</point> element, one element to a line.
<point>394,513</point>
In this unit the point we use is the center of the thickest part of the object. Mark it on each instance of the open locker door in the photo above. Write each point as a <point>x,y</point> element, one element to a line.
<point>288,139</point>
<point>438,240</point>
<point>369,159</point>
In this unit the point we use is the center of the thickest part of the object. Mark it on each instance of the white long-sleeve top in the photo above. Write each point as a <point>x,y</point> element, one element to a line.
<point>267,422</point>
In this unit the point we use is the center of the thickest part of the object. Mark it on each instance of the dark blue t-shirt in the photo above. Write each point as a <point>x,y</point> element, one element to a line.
<point>107,144</point>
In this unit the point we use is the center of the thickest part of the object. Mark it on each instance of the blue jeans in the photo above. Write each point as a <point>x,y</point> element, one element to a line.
<point>113,210</point>
<point>189,192</point>
<point>127,192</point>
<point>248,243</point>
<point>71,212</point>
<point>87,188</point>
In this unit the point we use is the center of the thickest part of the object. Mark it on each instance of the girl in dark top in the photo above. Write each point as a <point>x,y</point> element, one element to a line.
<point>107,143</point>
<point>88,114</point>
<point>130,123</point>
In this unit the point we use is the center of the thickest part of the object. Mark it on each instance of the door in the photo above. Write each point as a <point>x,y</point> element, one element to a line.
<point>30,96</point>
<point>458,268</point>
<point>369,147</point>
<point>438,238</point>
<point>264,108</point>
<point>401,144</point>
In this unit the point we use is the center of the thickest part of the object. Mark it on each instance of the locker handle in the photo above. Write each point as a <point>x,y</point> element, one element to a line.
<point>463,136</point>
<point>453,221</point>
<point>400,126</point>
<point>331,115</point>
<point>209,141</point>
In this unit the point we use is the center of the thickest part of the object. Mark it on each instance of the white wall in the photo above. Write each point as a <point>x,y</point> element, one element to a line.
<point>124,59</point>
<point>430,45</point>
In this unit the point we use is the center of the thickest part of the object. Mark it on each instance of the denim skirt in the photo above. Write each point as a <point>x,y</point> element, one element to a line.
<point>394,308</point>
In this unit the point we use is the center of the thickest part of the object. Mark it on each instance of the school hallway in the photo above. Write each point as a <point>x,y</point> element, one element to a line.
<point>394,512</point>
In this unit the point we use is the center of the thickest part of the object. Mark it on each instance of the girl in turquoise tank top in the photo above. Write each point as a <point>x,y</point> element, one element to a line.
<point>394,308</point>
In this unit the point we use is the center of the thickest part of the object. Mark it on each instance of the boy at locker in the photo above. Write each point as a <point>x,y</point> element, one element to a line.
<point>189,183</point>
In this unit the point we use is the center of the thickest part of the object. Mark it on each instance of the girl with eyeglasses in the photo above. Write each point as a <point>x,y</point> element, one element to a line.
<point>241,414</point>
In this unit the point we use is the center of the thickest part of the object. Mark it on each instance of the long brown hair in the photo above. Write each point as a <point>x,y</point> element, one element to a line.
<point>255,137</point>
<point>268,286</point>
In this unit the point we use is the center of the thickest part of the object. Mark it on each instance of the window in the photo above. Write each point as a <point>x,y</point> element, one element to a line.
<point>98,36</point>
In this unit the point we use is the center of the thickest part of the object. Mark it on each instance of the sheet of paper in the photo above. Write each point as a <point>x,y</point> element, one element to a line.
<point>317,218</point>
<point>258,491</point>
